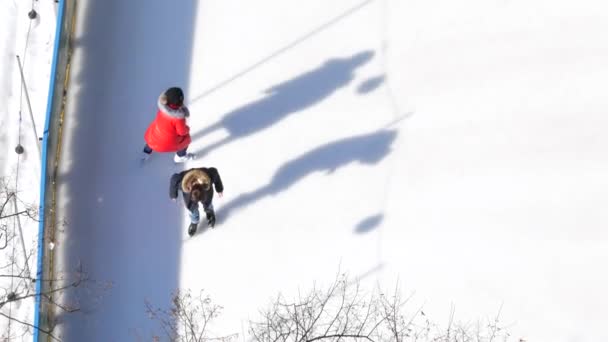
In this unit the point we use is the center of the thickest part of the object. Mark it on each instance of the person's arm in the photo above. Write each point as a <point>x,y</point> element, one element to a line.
<point>173,184</point>
<point>215,179</point>
<point>186,111</point>
<point>182,128</point>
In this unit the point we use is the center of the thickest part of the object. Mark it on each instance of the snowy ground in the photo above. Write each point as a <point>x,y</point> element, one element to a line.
<point>33,41</point>
<point>457,146</point>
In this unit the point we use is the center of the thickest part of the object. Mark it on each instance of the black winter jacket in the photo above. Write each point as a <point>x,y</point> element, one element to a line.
<point>176,184</point>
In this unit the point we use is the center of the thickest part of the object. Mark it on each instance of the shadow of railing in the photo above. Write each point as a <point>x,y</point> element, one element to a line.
<point>121,226</point>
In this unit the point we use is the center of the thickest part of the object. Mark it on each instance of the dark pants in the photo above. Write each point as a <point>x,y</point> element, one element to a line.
<point>193,206</point>
<point>180,153</point>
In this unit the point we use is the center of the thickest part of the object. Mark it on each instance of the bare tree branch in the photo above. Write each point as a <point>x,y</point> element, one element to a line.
<point>342,314</point>
<point>16,282</point>
<point>8,197</point>
<point>188,318</point>
<point>30,325</point>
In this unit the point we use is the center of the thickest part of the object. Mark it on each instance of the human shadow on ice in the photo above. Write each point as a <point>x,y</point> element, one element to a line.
<point>288,47</point>
<point>366,149</point>
<point>371,84</point>
<point>286,98</point>
<point>369,223</point>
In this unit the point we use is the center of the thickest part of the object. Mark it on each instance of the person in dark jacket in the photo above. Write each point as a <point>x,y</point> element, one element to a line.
<point>196,186</point>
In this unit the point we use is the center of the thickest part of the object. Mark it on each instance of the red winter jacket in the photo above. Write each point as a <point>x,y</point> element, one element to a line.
<point>169,131</point>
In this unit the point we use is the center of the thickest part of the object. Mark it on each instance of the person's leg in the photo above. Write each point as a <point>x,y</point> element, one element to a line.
<point>209,213</point>
<point>182,156</point>
<point>194,219</point>
<point>194,215</point>
<point>146,153</point>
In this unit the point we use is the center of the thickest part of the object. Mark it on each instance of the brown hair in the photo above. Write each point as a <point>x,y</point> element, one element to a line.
<point>196,194</point>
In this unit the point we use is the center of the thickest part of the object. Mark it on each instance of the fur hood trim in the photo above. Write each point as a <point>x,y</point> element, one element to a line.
<point>180,113</point>
<point>194,177</point>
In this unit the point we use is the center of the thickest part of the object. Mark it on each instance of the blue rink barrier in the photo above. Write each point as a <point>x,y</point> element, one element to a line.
<point>51,143</point>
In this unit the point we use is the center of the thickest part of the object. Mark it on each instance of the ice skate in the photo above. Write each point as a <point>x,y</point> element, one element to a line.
<point>210,217</point>
<point>144,156</point>
<point>192,229</point>
<point>177,159</point>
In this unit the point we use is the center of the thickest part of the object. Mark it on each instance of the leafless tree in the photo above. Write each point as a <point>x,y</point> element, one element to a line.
<point>17,279</point>
<point>343,312</point>
<point>188,319</point>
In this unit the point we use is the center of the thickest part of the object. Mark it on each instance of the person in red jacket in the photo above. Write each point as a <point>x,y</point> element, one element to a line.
<point>169,131</point>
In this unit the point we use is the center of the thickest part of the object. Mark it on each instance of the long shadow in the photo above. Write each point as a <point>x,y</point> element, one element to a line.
<point>285,48</point>
<point>286,98</point>
<point>366,149</point>
<point>121,227</point>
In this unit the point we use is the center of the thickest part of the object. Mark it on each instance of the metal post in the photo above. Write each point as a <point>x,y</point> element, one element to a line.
<point>29,105</point>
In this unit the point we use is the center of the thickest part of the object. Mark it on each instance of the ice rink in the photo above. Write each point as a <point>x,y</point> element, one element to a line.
<point>457,147</point>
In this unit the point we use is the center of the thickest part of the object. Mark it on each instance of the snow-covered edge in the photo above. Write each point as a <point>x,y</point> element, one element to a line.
<point>43,168</point>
